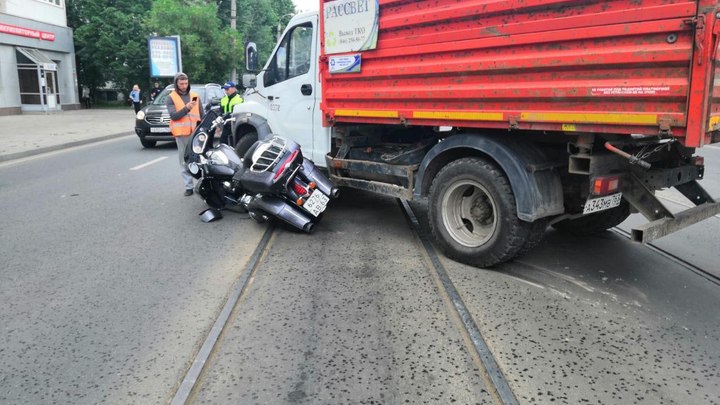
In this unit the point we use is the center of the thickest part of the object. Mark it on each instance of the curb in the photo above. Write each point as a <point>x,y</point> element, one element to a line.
<point>46,149</point>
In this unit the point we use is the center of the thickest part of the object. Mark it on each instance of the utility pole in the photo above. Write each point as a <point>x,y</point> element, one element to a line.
<point>233,24</point>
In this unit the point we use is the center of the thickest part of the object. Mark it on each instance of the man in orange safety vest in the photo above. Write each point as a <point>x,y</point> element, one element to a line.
<point>185,111</point>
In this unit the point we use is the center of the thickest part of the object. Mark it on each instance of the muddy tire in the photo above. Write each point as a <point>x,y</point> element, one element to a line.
<point>595,223</point>
<point>535,236</point>
<point>473,215</point>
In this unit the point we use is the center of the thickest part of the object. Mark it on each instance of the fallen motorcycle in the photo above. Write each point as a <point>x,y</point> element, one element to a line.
<point>272,179</point>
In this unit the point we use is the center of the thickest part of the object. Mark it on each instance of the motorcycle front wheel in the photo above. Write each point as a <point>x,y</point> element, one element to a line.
<point>211,192</point>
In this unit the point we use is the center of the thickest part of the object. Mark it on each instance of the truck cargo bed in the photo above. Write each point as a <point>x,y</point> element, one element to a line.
<point>619,67</point>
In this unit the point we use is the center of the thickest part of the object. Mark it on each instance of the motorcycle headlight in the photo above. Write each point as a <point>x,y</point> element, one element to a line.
<point>219,158</point>
<point>199,143</point>
<point>140,115</point>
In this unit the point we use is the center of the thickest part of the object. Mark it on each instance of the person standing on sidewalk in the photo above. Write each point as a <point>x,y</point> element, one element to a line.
<point>135,98</point>
<point>86,96</point>
<point>185,111</point>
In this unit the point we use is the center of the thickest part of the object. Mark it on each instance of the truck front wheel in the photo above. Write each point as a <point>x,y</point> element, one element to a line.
<point>473,214</point>
<point>245,142</point>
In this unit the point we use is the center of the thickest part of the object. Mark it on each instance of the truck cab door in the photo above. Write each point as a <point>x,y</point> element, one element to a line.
<point>291,85</point>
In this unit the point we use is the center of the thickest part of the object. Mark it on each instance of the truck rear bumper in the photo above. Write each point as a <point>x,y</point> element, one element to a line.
<point>665,226</point>
<point>662,221</point>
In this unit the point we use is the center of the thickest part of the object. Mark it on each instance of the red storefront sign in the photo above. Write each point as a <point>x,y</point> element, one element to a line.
<point>25,32</point>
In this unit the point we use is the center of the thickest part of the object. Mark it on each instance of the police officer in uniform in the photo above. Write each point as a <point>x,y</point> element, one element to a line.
<point>231,99</point>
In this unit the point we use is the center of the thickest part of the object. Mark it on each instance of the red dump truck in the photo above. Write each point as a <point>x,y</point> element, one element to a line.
<point>509,116</point>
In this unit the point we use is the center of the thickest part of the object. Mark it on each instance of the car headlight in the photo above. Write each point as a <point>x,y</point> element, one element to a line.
<point>219,158</point>
<point>140,115</point>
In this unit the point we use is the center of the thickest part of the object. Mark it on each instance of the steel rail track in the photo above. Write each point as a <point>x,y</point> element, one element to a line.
<point>502,389</point>
<point>695,269</point>
<point>193,374</point>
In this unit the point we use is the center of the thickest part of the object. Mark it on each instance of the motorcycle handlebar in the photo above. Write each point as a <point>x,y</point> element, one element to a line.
<point>221,121</point>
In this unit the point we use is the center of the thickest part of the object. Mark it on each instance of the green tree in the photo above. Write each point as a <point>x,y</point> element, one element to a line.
<point>258,22</point>
<point>209,50</point>
<point>109,44</point>
<point>111,36</point>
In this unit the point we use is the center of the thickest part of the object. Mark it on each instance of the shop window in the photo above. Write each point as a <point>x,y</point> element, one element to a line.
<point>29,85</point>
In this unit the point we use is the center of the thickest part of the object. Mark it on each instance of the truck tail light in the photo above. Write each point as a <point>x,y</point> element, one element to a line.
<point>605,185</point>
<point>698,161</point>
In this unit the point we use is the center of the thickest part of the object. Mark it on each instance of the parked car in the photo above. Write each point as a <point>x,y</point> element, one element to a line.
<point>152,122</point>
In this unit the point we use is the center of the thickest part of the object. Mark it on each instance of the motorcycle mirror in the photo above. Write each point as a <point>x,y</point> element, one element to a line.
<point>210,215</point>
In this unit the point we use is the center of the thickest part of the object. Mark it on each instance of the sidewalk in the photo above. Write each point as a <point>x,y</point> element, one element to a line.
<point>31,134</point>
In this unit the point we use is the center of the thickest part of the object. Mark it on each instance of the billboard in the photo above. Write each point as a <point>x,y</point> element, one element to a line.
<point>165,56</point>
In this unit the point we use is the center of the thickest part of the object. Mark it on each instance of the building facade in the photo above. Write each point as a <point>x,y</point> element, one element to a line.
<point>37,57</point>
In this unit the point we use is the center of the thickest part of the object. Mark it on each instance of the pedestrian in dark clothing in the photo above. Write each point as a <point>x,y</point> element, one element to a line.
<point>155,91</point>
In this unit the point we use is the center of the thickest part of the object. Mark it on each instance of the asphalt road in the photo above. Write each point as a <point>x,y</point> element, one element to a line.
<point>111,284</point>
<point>109,280</point>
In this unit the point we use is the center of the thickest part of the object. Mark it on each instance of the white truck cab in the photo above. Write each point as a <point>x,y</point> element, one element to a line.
<point>284,98</point>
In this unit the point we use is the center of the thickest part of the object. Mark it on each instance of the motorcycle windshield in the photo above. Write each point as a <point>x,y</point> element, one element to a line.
<point>203,127</point>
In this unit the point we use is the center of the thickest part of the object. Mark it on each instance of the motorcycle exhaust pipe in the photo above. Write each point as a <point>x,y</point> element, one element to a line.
<point>312,173</point>
<point>281,209</point>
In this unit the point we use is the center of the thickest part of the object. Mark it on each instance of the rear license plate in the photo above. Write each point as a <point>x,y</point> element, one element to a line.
<point>602,203</point>
<point>317,203</point>
<point>160,129</point>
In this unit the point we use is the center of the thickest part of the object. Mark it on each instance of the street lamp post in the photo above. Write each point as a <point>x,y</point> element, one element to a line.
<point>233,24</point>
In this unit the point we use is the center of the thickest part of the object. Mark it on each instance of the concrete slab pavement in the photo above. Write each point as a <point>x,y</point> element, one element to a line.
<point>32,134</point>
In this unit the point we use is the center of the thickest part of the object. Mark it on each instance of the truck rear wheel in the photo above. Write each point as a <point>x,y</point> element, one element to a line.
<point>473,214</point>
<point>596,222</point>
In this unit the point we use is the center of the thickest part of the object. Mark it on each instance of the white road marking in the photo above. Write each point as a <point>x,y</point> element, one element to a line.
<point>152,162</point>
<point>569,279</point>
<point>527,282</point>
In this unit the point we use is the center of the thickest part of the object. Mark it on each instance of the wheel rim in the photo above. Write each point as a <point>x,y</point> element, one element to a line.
<point>469,213</point>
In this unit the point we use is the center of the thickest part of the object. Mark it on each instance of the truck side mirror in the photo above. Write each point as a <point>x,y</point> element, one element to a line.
<point>251,57</point>
<point>249,80</point>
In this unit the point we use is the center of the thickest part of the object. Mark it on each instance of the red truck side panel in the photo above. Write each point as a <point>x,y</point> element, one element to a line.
<point>588,66</point>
